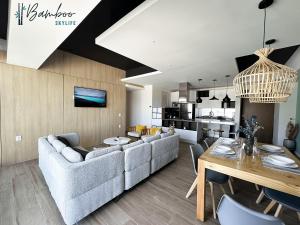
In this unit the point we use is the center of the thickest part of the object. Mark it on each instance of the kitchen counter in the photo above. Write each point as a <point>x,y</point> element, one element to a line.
<point>216,121</point>
<point>200,120</point>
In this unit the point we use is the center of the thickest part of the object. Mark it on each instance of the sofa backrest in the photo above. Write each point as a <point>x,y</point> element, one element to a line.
<point>73,138</point>
<point>160,146</point>
<point>137,155</point>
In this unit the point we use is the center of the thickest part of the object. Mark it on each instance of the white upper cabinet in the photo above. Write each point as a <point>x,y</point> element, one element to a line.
<point>192,97</point>
<point>174,96</point>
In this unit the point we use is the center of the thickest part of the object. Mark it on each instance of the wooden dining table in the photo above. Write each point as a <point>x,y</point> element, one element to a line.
<point>247,168</point>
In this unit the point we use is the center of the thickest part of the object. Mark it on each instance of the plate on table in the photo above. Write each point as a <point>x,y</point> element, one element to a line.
<point>222,149</point>
<point>227,141</point>
<point>281,161</point>
<point>271,148</point>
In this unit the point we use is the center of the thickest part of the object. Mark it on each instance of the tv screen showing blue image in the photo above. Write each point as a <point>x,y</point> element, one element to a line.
<point>88,97</point>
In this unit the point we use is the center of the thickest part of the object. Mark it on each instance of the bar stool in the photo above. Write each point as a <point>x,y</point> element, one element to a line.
<point>219,131</point>
<point>205,131</point>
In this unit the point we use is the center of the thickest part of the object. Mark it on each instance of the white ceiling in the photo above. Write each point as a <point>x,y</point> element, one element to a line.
<point>33,42</point>
<point>191,39</point>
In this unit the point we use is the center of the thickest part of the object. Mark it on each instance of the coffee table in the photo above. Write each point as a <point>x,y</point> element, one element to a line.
<point>116,141</point>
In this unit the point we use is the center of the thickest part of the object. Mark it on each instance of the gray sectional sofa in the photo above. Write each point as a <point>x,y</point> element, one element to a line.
<point>81,186</point>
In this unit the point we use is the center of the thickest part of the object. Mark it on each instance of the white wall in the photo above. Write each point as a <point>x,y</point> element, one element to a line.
<point>139,107</point>
<point>282,114</point>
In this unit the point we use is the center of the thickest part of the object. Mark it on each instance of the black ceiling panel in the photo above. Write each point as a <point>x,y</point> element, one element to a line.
<point>82,40</point>
<point>280,55</point>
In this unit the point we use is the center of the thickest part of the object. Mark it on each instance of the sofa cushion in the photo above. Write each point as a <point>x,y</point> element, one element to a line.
<point>134,134</point>
<point>71,155</point>
<point>82,151</point>
<point>132,144</point>
<point>101,151</point>
<point>164,135</point>
<point>58,145</point>
<point>149,139</point>
<point>51,138</point>
<point>64,140</point>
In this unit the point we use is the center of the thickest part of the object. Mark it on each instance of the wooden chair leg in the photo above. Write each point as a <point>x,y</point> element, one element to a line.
<point>278,210</point>
<point>213,199</point>
<point>298,213</point>
<point>256,187</point>
<point>230,187</point>
<point>260,197</point>
<point>192,188</point>
<point>270,206</point>
<point>222,188</point>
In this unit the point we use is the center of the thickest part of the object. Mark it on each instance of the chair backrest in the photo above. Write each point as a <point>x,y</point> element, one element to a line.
<point>196,152</point>
<point>231,212</point>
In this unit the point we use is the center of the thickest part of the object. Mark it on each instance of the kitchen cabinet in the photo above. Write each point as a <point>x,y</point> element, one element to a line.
<point>192,96</point>
<point>175,96</point>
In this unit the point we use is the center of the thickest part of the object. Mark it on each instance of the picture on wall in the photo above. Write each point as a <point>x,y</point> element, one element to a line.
<point>88,97</point>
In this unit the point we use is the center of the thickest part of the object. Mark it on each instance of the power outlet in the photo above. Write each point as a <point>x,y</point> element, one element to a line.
<point>119,126</point>
<point>18,138</point>
<point>120,114</point>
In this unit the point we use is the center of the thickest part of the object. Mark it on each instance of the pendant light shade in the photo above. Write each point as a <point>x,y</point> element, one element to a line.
<point>214,97</point>
<point>199,99</point>
<point>227,99</point>
<point>265,81</point>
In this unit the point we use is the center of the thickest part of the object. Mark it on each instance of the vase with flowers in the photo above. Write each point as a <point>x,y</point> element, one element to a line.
<point>249,130</point>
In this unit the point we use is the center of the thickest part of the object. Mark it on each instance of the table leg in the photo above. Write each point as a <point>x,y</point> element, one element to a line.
<point>201,190</point>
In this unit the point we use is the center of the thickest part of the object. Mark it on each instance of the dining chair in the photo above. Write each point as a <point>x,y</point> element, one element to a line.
<point>231,212</point>
<point>289,201</point>
<point>211,176</point>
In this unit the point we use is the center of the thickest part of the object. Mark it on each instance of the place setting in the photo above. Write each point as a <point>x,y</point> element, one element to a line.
<point>224,148</point>
<point>278,161</point>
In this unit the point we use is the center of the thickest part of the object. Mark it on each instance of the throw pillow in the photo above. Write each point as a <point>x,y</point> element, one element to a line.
<point>132,144</point>
<point>101,151</point>
<point>164,135</point>
<point>58,145</point>
<point>71,155</point>
<point>82,151</point>
<point>51,138</point>
<point>149,139</point>
<point>155,131</point>
<point>139,128</point>
<point>64,140</point>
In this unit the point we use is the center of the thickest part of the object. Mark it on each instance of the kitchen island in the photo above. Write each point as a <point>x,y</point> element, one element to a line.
<point>191,130</point>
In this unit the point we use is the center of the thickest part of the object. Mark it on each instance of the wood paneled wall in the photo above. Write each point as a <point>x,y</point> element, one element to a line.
<point>35,103</point>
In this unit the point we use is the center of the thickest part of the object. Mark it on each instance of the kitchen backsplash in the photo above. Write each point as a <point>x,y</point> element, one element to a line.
<point>228,113</point>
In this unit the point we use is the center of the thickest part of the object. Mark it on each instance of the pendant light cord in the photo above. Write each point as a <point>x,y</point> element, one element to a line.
<point>264,34</point>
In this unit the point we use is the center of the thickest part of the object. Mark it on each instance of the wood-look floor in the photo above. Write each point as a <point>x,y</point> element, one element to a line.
<point>160,200</point>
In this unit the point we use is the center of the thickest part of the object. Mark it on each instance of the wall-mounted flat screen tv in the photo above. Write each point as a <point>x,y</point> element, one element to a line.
<point>88,97</point>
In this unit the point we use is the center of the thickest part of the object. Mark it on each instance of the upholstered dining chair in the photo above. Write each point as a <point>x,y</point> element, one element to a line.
<point>212,177</point>
<point>231,212</point>
<point>289,201</point>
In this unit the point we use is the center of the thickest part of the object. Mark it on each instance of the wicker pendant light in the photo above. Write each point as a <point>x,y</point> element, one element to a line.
<point>265,81</point>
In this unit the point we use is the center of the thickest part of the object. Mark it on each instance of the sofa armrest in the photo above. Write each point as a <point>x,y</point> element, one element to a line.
<point>74,179</point>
